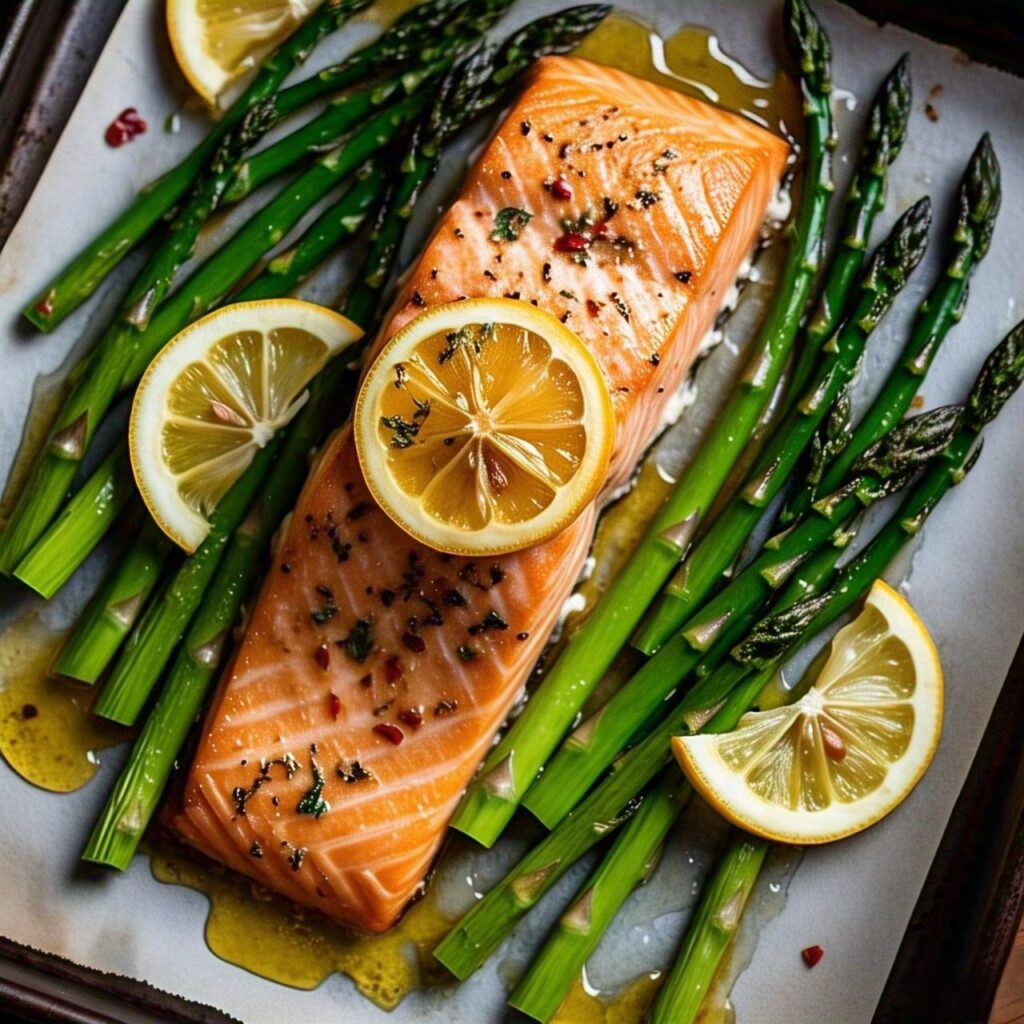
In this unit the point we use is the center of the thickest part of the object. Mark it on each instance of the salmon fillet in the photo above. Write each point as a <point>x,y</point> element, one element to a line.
<point>374,672</point>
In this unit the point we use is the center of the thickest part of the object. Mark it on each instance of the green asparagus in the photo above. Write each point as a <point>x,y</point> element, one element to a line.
<point>977,206</point>
<point>82,276</point>
<point>865,197</point>
<point>591,747</point>
<point>121,362</point>
<point>80,525</point>
<point>116,607</point>
<point>511,767</point>
<point>483,928</point>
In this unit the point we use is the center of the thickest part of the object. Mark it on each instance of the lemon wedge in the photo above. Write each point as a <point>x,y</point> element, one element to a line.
<point>215,395</point>
<point>484,426</point>
<point>844,755</point>
<point>217,41</point>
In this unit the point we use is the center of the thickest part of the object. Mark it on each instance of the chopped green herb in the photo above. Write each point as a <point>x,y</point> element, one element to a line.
<point>466,653</point>
<point>509,223</point>
<point>403,430</point>
<point>325,612</point>
<point>473,335</point>
<point>313,802</point>
<point>359,642</point>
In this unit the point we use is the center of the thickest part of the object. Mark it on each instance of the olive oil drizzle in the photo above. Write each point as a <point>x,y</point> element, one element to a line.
<point>47,734</point>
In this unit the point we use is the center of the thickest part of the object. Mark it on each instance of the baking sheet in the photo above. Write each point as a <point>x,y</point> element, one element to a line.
<point>967,577</point>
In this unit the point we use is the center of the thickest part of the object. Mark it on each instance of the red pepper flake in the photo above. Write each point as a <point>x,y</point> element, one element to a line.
<point>812,954</point>
<point>571,241</point>
<point>411,717</point>
<point>390,732</point>
<point>44,307</point>
<point>393,668</point>
<point>593,308</point>
<point>600,229</point>
<point>334,705</point>
<point>322,655</point>
<point>415,643</point>
<point>125,127</point>
<point>561,189</point>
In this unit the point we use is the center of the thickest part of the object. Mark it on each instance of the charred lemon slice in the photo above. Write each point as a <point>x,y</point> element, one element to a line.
<point>215,395</point>
<point>844,755</point>
<point>484,426</point>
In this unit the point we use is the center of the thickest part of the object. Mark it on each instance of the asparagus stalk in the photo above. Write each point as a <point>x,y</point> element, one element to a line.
<point>707,637</point>
<point>131,803</point>
<point>478,934</point>
<point>711,932</point>
<point>977,206</point>
<point>91,266</point>
<point>125,352</point>
<point>629,863</point>
<point>416,35</point>
<point>155,637</point>
<point>433,55</point>
<point>507,773</point>
<point>80,526</point>
<point>327,128</point>
<point>887,123</point>
<point>886,131</point>
<point>116,606</point>
<point>679,1001</point>
<point>710,561</point>
<point>636,849</point>
<point>478,84</point>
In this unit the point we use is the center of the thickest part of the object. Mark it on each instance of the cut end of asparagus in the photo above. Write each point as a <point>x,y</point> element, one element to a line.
<point>483,814</point>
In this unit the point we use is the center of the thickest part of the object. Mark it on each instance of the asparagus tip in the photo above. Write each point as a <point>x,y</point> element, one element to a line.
<point>998,379</point>
<point>809,44</point>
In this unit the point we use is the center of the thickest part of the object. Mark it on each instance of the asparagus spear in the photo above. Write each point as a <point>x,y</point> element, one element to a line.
<point>977,206</point>
<point>478,84</point>
<point>433,55</point>
<point>80,526</point>
<point>590,748</point>
<point>711,931</point>
<point>636,849</point>
<point>85,272</point>
<point>125,352</point>
<point>482,929</point>
<point>116,606</point>
<point>66,544</point>
<point>711,559</point>
<point>507,773</point>
<point>865,197</point>
<point>680,999</point>
<point>887,126</point>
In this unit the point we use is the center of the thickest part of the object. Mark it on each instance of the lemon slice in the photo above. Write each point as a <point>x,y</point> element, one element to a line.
<point>484,426</point>
<point>215,394</point>
<point>217,41</point>
<point>845,754</point>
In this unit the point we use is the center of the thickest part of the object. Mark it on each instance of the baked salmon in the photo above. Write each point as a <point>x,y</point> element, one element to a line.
<point>374,672</point>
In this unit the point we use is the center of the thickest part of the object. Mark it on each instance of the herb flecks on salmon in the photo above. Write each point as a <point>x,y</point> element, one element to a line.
<point>608,137</point>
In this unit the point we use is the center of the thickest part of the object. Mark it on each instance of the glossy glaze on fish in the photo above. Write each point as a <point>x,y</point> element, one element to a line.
<point>374,672</point>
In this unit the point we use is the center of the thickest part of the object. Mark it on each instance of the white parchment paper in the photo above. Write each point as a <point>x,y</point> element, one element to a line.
<point>966,578</point>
